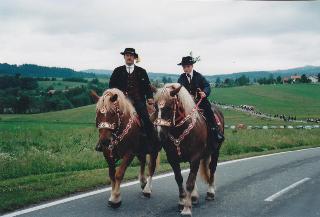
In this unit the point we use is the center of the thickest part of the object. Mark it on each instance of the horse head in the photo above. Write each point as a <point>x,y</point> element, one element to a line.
<point>166,101</point>
<point>109,113</point>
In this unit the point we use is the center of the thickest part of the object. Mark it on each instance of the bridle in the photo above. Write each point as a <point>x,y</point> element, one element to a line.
<point>117,134</point>
<point>183,119</point>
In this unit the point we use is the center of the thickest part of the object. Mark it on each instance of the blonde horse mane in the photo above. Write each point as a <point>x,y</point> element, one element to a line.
<point>184,96</point>
<point>124,104</point>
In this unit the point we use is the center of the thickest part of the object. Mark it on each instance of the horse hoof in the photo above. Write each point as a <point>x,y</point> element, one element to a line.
<point>114,205</point>
<point>147,195</point>
<point>195,200</point>
<point>186,212</point>
<point>210,196</point>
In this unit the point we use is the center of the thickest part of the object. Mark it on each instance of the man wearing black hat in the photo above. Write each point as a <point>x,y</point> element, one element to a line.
<point>195,83</point>
<point>134,82</point>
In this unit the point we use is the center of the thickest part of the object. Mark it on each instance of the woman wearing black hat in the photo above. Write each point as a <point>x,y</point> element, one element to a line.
<point>195,83</point>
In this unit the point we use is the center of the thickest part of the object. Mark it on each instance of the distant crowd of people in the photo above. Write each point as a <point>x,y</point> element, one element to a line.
<point>286,118</point>
<point>251,109</point>
<point>314,120</point>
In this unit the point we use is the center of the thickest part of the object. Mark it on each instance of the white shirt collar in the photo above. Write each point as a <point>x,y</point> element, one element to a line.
<point>130,67</point>
<point>191,74</point>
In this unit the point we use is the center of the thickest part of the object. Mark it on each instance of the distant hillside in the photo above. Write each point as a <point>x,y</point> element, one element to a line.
<point>307,70</point>
<point>152,75</point>
<point>32,70</point>
<point>98,71</point>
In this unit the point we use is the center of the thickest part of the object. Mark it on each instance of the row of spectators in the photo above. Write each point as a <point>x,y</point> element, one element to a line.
<point>314,120</point>
<point>251,109</point>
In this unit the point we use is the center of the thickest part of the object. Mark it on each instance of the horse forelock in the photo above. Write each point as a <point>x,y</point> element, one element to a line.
<point>104,103</point>
<point>184,96</point>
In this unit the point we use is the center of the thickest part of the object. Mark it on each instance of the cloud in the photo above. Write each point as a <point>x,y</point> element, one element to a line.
<point>229,36</point>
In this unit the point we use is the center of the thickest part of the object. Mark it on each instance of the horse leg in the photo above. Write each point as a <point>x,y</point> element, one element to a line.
<point>194,167</point>
<point>179,179</point>
<point>151,166</point>
<point>112,172</point>
<point>142,178</point>
<point>213,166</point>
<point>195,195</point>
<point>115,201</point>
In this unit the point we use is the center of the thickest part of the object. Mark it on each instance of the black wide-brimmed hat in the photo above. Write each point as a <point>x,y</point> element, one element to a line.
<point>130,51</point>
<point>188,60</point>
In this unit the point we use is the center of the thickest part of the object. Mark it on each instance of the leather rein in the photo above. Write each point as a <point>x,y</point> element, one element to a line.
<point>172,123</point>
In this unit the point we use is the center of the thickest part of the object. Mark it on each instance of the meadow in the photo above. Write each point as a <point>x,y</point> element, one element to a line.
<point>301,100</point>
<point>49,155</point>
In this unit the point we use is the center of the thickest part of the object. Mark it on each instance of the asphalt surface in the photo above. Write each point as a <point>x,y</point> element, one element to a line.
<point>242,188</point>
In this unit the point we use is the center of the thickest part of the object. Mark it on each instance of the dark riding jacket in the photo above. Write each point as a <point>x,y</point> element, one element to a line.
<point>140,89</point>
<point>197,81</point>
<point>119,79</point>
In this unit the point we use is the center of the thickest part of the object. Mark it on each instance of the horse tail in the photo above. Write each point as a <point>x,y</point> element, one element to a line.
<point>204,169</point>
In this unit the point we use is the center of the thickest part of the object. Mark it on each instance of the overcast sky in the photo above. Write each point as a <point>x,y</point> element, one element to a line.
<point>230,36</point>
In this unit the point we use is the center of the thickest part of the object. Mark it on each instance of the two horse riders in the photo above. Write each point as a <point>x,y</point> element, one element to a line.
<point>134,82</point>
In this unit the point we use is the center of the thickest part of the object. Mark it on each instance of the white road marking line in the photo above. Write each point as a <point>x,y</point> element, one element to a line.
<point>285,190</point>
<point>91,193</point>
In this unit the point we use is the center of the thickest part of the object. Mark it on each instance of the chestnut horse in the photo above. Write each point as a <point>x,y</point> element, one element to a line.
<point>184,136</point>
<point>120,136</point>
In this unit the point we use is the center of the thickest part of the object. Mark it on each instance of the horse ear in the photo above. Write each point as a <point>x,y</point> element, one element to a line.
<point>175,91</point>
<point>114,98</point>
<point>94,96</point>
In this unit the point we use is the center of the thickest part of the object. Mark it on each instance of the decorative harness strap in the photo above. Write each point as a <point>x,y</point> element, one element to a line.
<point>177,141</point>
<point>117,136</point>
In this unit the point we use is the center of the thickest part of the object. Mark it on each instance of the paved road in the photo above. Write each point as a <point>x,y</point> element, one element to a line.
<point>291,180</point>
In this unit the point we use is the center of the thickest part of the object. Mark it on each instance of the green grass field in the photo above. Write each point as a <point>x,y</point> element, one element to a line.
<point>49,155</point>
<point>302,100</point>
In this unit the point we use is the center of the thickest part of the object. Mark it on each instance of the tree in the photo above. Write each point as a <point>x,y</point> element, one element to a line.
<point>262,80</point>
<point>279,79</point>
<point>229,82</point>
<point>164,80</point>
<point>243,80</point>
<point>271,80</point>
<point>95,81</point>
<point>304,79</point>
<point>23,104</point>
<point>28,83</point>
<point>218,81</point>
<point>318,77</point>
